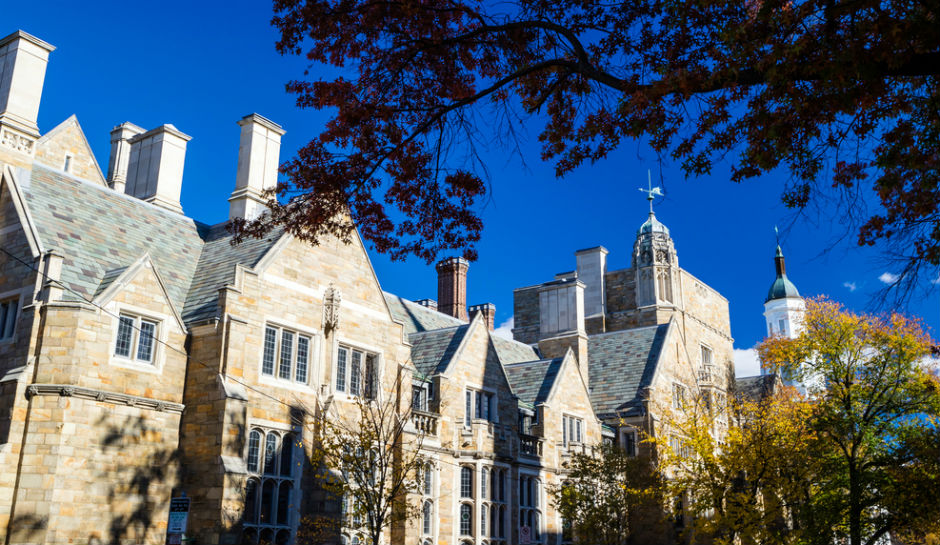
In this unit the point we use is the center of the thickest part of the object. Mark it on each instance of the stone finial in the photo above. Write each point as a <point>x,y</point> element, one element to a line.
<point>331,306</point>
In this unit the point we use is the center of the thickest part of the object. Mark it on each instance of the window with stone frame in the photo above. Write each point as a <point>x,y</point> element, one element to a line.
<point>678,396</point>
<point>286,354</point>
<point>9,309</point>
<point>420,396</point>
<point>428,511</point>
<point>357,372</point>
<point>136,338</point>
<point>572,429</point>
<point>496,502</point>
<point>628,441</point>
<point>273,462</point>
<point>479,405</point>
<point>530,514</point>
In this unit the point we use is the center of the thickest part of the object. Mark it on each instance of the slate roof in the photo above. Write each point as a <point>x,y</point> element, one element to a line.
<point>756,387</point>
<point>216,268</point>
<point>532,381</point>
<point>510,351</point>
<point>432,350</point>
<point>621,364</point>
<point>416,317</point>
<point>100,233</point>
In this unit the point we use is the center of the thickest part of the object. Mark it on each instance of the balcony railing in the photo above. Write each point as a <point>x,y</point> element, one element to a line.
<point>706,375</point>
<point>424,422</point>
<point>530,445</point>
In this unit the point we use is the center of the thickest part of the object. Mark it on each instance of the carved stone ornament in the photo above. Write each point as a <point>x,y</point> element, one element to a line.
<point>17,142</point>
<point>331,301</point>
<point>662,256</point>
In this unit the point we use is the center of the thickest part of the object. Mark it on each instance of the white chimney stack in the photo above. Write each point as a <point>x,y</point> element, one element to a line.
<point>155,167</point>
<point>258,154</point>
<point>23,61</point>
<point>121,154</point>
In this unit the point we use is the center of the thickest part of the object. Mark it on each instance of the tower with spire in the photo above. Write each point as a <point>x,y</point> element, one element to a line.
<point>654,260</point>
<point>783,308</point>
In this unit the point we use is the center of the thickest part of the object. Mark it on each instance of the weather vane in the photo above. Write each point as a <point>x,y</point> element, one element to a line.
<point>651,192</point>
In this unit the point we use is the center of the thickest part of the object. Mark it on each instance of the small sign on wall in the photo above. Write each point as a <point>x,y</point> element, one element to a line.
<point>179,517</point>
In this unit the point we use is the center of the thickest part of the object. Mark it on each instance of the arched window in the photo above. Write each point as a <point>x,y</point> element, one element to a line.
<point>466,482</point>
<point>428,479</point>
<point>483,527</point>
<point>251,501</point>
<point>254,447</point>
<point>287,455</point>
<point>665,285</point>
<point>269,490</point>
<point>427,513</point>
<point>466,519</point>
<point>270,454</point>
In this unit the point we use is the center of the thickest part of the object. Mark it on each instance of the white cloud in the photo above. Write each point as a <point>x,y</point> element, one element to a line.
<point>850,285</point>
<point>888,278</point>
<point>505,329</point>
<point>746,362</point>
<point>935,280</point>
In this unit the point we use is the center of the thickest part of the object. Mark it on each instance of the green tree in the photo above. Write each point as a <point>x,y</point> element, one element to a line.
<point>608,497</point>
<point>876,406</point>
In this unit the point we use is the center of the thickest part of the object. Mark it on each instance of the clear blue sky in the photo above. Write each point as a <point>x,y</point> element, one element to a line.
<point>203,65</point>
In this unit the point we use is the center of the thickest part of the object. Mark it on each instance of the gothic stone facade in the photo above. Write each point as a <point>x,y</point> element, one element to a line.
<point>143,356</point>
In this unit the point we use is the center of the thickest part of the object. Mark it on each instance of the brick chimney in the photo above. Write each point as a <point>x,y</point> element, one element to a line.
<point>155,167</point>
<point>23,59</point>
<point>488,310</point>
<point>452,287</point>
<point>259,150</point>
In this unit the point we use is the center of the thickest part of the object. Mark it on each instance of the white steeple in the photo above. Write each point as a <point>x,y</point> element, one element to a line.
<point>783,308</point>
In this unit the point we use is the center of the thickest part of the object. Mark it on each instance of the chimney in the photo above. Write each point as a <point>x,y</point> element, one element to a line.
<point>23,61</point>
<point>427,303</point>
<point>155,167</point>
<point>488,310</point>
<point>121,154</point>
<point>452,287</point>
<point>259,149</point>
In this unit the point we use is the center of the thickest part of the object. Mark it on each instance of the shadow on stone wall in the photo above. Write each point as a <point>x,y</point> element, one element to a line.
<point>140,482</point>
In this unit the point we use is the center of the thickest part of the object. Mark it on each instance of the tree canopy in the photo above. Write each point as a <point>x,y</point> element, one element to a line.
<point>841,94</point>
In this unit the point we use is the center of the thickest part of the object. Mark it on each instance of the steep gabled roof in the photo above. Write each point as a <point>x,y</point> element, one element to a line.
<point>98,230</point>
<point>621,364</point>
<point>532,381</point>
<point>432,351</point>
<point>417,318</point>
<point>216,267</point>
<point>510,351</point>
<point>101,233</point>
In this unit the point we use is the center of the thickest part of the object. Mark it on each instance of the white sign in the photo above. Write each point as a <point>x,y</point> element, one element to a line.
<point>525,534</point>
<point>179,516</point>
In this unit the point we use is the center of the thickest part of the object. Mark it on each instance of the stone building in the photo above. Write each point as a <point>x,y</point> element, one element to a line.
<point>144,356</point>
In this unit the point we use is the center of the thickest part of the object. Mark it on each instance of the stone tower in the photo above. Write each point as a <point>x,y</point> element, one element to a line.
<point>656,265</point>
